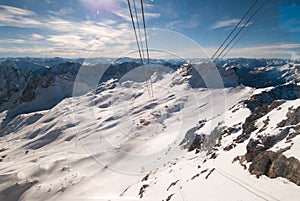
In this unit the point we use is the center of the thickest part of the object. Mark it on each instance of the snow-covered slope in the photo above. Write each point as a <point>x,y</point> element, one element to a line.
<point>184,142</point>
<point>33,84</point>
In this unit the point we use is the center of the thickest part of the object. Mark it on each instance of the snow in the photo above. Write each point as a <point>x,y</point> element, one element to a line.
<point>274,117</point>
<point>100,145</point>
<point>295,149</point>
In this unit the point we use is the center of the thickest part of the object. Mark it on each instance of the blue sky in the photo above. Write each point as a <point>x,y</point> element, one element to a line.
<point>87,28</point>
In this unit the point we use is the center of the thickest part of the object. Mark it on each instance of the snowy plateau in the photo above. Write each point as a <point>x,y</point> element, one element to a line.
<point>104,129</point>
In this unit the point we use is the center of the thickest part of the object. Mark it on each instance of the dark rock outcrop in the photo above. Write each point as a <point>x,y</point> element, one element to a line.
<point>192,140</point>
<point>283,92</point>
<point>263,103</point>
<point>29,92</point>
<point>203,75</point>
<point>263,143</point>
<point>275,165</point>
<point>197,143</point>
<point>293,118</point>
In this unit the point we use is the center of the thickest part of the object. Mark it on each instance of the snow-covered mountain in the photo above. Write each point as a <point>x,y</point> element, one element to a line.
<point>29,85</point>
<point>195,132</point>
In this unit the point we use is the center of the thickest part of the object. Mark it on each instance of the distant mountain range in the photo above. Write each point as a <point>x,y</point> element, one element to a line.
<point>195,131</point>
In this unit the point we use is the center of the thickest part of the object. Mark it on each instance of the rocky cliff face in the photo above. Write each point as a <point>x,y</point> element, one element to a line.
<point>260,73</point>
<point>268,133</point>
<point>11,81</point>
<point>29,86</point>
<point>274,163</point>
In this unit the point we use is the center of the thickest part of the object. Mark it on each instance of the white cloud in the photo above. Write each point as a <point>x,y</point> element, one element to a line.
<point>125,14</point>
<point>62,12</point>
<point>284,50</point>
<point>278,46</point>
<point>152,15</point>
<point>224,23</point>
<point>14,41</point>
<point>70,40</point>
<point>278,50</point>
<point>12,16</point>
<point>36,36</point>
<point>16,11</point>
<point>15,17</point>
<point>72,37</point>
<point>182,25</point>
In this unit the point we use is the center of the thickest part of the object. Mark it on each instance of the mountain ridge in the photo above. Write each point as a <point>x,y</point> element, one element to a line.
<point>115,142</point>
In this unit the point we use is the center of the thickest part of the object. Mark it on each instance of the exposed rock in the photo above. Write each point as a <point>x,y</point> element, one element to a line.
<point>197,142</point>
<point>210,172</point>
<point>29,92</point>
<point>47,81</point>
<point>210,143</point>
<point>296,131</point>
<point>199,75</point>
<point>142,190</point>
<point>213,155</point>
<point>117,71</point>
<point>145,178</point>
<point>293,118</point>
<point>259,111</point>
<point>269,163</point>
<point>195,176</point>
<point>172,184</point>
<point>266,123</point>
<point>11,81</point>
<point>229,147</point>
<point>255,147</point>
<point>270,141</point>
<point>278,94</point>
<point>192,140</point>
<point>169,197</point>
<point>275,165</point>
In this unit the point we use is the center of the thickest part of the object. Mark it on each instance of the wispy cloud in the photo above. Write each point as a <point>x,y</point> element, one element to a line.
<point>16,11</point>
<point>70,40</point>
<point>278,46</point>
<point>152,15</point>
<point>17,17</point>
<point>35,36</point>
<point>224,23</point>
<point>284,50</point>
<point>123,11</point>
<point>124,14</point>
<point>57,33</point>
<point>62,12</point>
<point>182,25</point>
<point>13,41</point>
<point>77,36</point>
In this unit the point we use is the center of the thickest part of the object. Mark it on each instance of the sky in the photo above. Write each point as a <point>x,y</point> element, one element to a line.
<point>176,28</point>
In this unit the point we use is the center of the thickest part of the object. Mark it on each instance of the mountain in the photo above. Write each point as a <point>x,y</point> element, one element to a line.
<point>29,85</point>
<point>194,132</point>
